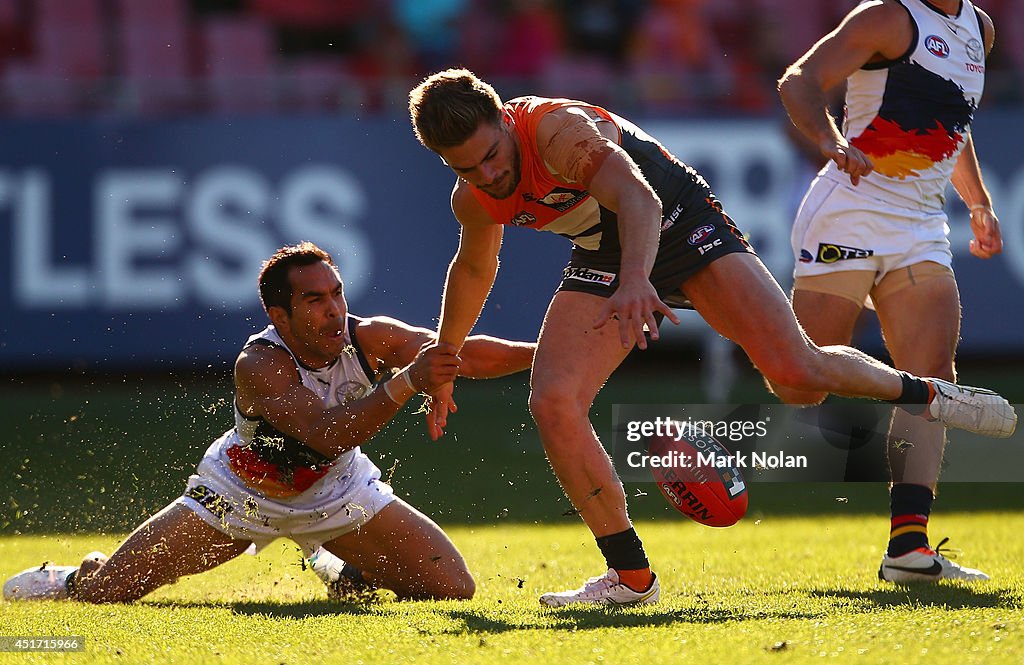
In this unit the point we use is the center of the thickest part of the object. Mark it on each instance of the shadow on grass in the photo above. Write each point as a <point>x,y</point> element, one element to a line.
<point>928,595</point>
<point>492,620</point>
<point>481,621</point>
<point>281,610</point>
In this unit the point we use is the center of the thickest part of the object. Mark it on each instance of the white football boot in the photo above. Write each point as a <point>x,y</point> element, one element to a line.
<point>46,582</point>
<point>972,409</point>
<point>341,584</point>
<point>604,590</point>
<point>925,565</point>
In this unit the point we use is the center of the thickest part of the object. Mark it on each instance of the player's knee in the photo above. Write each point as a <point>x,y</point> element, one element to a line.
<point>793,374</point>
<point>797,397</point>
<point>551,407</point>
<point>99,594</point>
<point>464,588</point>
<point>452,585</point>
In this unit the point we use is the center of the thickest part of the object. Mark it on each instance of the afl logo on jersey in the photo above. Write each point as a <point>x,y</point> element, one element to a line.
<point>523,219</point>
<point>937,46</point>
<point>701,234</point>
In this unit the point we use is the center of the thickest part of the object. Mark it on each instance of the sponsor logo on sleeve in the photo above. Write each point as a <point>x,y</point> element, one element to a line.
<point>805,256</point>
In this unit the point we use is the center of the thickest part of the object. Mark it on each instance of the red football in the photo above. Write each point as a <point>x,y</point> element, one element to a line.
<point>701,478</point>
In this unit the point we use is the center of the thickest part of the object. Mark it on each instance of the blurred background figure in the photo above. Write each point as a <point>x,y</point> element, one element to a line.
<point>189,120</point>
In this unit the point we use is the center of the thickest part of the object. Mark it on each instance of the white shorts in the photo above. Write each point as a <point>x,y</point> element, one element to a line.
<point>321,513</point>
<point>838,228</point>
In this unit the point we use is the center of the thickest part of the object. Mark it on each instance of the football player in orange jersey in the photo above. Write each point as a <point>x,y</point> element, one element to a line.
<point>647,232</point>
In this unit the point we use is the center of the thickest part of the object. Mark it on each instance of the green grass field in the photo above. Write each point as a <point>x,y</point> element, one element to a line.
<point>85,459</point>
<point>767,590</point>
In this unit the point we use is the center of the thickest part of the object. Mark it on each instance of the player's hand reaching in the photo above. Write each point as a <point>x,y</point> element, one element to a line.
<point>848,158</point>
<point>634,304</point>
<point>987,241</point>
<point>434,366</point>
<point>441,404</point>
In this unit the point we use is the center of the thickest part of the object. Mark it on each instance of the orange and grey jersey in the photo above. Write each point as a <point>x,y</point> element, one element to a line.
<point>912,116</point>
<point>281,466</point>
<point>546,203</point>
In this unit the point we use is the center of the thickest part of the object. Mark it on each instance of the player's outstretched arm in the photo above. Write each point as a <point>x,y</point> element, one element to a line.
<point>470,278</point>
<point>396,343</point>
<point>268,386</point>
<point>473,269</point>
<point>871,32</point>
<point>486,357</point>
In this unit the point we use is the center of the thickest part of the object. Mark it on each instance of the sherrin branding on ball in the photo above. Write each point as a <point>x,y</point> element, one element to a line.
<point>698,476</point>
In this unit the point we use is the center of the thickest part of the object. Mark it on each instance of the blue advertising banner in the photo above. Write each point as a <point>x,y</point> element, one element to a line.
<point>136,243</point>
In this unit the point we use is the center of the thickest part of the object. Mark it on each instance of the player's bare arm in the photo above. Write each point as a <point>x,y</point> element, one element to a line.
<point>967,180</point>
<point>268,387</point>
<point>585,152</point>
<point>473,269</point>
<point>872,32</point>
<point>395,343</point>
<point>470,277</point>
<point>969,184</point>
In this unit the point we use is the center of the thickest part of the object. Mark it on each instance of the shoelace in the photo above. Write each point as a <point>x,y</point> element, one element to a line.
<point>595,584</point>
<point>949,552</point>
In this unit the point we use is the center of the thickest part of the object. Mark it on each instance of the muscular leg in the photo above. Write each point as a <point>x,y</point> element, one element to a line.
<point>404,550</point>
<point>828,320</point>
<point>921,324</point>
<point>740,299</point>
<point>172,543</point>
<point>572,362</point>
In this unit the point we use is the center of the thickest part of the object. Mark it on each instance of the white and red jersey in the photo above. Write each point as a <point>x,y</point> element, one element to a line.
<point>276,464</point>
<point>912,116</point>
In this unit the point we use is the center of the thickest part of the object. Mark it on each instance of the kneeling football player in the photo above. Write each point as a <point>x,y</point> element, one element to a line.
<point>309,390</point>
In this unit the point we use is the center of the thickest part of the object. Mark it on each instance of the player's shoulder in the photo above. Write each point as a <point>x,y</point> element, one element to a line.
<point>988,27</point>
<point>374,328</point>
<point>877,16</point>
<point>264,363</point>
<point>885,25</point>
<point>382,339</point>
<point>382,329</point>
<point>467,207</point>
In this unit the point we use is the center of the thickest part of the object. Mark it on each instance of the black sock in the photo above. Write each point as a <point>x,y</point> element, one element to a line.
<point>69,584</point>
<point>623,551</point>
<point>910,506</point>
<point>914,398</point>
<point>353,576</point>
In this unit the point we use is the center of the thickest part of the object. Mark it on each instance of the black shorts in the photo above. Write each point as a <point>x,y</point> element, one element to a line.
<point>686,247</point>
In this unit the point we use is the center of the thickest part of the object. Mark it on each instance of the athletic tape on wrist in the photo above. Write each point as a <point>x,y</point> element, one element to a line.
<point>408,380</point>
<point>387,391</point>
